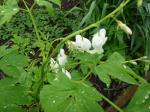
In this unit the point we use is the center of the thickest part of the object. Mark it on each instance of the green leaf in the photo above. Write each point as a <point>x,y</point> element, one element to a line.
<point>8,10</point>
<point>4,51</point>
<point>12,96</point>
<point>12,62</point>
<point>115,68</point>
<point>47,4</point>
<point>103,75</point>
<point>141,100</point>
<point>87,58</point>
<point>64,95</point>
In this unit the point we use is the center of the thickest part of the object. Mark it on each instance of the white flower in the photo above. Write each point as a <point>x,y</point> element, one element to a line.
<point>62,57</point>
<point>124,27</point>
<point>66,73</point>
<point>54,65</point>
<point>98,40</point>
<point>81,43</point>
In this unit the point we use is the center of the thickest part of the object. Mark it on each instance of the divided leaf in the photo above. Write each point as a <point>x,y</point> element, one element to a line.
<point>64,95</point>
<point>114,67</point>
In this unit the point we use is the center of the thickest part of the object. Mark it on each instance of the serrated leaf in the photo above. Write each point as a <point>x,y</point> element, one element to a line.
<point>114,67</point>
<point>64,95</point>
<point>47,4</point>
<point>12,96</point>
<point>141,100</point>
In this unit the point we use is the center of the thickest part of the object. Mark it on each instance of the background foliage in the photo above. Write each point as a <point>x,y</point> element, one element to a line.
<point>30,35</point>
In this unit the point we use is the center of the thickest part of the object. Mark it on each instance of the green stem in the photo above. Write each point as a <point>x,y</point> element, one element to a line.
<point>138,59</point>
<point>111,103</point>
<point>32,6</point>
<point>134,74</point>
<point>40,82</point>
<point>33,21</point>
<point>87,76</point>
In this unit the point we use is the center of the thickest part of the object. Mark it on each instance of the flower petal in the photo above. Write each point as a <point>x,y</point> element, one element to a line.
<point>62,57</point>
<point>66,73</point>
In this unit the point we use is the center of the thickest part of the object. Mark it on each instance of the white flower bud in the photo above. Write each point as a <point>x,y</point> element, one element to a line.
<point>124,27</point>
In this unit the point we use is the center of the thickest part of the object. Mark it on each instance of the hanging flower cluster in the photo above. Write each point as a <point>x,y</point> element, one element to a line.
<point>62,60</point>
<point>82,44</point>
<point>96,46</point>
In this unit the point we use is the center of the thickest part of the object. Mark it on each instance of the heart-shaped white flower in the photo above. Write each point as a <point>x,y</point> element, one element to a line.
<point>62,60</point>
<point>98,40</point>
<point>54,65</point>
<point>81,43</point>
<point>62,57</point>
